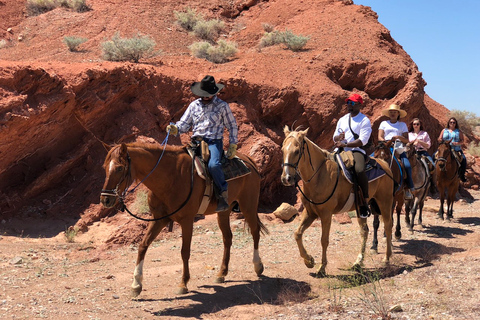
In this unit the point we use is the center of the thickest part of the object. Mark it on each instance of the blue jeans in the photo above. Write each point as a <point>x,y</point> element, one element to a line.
<point>425,153</point>
<point>215,146</point>
<point>408,168</point>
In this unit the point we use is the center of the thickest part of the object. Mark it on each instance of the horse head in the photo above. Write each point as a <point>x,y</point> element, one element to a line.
<point>382,150</point>
<point>118,174</point>
<point>443,152</point>
<point>410,150</point>
<point>292,149</point>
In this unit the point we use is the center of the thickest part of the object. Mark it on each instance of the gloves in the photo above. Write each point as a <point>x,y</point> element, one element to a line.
<point>172,129</point>
<point>232,150</point>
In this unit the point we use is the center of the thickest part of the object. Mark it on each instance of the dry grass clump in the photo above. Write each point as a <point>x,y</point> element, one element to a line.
<point>128,49</point>
<point>37,7</point>
<point>288,38</point>
<point>73,42</point>
<point>220,53</point>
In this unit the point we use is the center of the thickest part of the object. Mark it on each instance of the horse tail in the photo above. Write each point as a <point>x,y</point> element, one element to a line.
<point>263,228</point>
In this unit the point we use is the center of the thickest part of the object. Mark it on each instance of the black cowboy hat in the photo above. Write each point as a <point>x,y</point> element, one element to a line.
<point>206,88</point>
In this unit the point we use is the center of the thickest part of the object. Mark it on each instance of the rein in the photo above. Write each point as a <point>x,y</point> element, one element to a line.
<point>444,169</point>
<point>121,198</point>
<point>295,166</point>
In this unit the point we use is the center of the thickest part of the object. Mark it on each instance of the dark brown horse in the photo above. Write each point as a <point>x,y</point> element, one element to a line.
<point>383,151</point>
<point>446,170</point>
<point>326,191</point>
<point>174,188</point>
<point>421,182</point>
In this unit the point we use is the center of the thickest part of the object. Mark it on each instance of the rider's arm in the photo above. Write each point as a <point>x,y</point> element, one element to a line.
<point>381,135</point>
<point>440,137</point>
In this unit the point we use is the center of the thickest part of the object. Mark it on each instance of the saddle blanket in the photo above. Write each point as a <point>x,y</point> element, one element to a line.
<point>373,170</point>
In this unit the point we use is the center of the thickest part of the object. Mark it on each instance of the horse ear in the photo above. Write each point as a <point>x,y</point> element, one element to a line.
<point>286,130</point>
<point>123,150</point>
<point>304,132</point>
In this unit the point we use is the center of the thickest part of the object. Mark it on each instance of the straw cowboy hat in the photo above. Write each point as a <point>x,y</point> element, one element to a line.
<point>207,87</point>
<point>395,107</point>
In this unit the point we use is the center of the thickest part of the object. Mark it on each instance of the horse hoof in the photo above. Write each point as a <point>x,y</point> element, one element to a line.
<point>309,262</point>
<point>374,250</point>
<point>448,218</point>
<point>259,269</point>
<point>136,291</point>
<point>398,235</point>
<point>439,216</point>
<point>220,280</point>
<point>182,290</point>
<point>357,267</point>
<point>321,274</point>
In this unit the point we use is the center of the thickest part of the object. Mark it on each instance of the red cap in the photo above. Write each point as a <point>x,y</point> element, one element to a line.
<point>355,98</point>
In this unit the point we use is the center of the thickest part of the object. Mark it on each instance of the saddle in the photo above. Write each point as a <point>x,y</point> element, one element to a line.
<point>232,169</point>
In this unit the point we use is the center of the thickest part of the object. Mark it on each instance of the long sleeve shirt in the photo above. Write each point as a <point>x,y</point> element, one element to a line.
<point>209,120</point>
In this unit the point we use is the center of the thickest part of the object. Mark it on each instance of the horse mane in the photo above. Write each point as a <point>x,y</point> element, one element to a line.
<point>326,153</point>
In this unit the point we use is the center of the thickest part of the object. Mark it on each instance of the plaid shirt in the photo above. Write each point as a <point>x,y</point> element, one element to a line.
<point>209,120</point>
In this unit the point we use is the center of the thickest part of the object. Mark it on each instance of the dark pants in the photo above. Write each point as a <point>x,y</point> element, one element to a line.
<point>360,160</point>
<point>463,165</point>
<point>408,169</point>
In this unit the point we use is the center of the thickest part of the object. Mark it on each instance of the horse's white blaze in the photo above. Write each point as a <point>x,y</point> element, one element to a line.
<point>110,167</point>
<point>287,160</point>
<point>138,275</point>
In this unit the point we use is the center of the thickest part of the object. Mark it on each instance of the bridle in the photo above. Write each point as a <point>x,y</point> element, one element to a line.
<point>115,192</point>
<point>297,172</point>
<point>444,159</point>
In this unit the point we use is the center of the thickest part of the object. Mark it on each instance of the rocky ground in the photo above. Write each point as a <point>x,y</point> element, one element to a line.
<point>434,273</point>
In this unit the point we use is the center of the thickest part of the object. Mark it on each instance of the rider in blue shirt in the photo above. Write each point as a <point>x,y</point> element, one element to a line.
<point>453,133</point>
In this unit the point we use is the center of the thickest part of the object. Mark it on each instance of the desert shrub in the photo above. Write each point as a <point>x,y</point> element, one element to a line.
<point>294,42</point>
<point>200,49</point>
<point>128,49</point>
<point>222,51</point>
<point>208,30</point>
<point>36,7</point>
<point>73,42</point>
<point>271,39</point>
<point>216,54</point>
<point>187,19</point>
<point>473,148</point>
<point>467,121</point>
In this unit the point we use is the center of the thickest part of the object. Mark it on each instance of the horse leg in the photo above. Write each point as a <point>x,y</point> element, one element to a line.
<point>251,217</point>
<point>408,209</point>
<point>387,213</point>
<point>187,231</point>
<point>442,200</point>
<point>153,230</point>
<point>399,204</point>
<point>414,213</point>
<point>450,201</point>
<point>376,225</point>
<point>305,222</point>
<point>223,220</point>
<point>364,235</point>
<point>326,224</point>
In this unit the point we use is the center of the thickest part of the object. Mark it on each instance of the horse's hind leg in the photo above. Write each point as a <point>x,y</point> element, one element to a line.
<point>398,203</point>
<point>187,231</point>
<point>255,226</point>
<point>376,225</point>
<point>153,230</point>
<point>223,220</point>
<point>305,222</point>
<point>362,223</point>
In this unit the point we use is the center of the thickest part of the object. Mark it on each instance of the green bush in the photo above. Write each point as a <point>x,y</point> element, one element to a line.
<point>208,30</point>
<point>292,41</point>
<point>128,49</point>
<point>467,121</point>
<point>216,54</point>
<point>267,27</point>
<point>73,42</point>
<point>187,19</point>
<point>36,7</point>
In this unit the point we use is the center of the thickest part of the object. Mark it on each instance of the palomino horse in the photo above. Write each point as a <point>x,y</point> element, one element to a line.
<point>382,151</point>
<point>326,192</point>
<point>446,170</point>
<point>174,188</point>
<point>421,183</point>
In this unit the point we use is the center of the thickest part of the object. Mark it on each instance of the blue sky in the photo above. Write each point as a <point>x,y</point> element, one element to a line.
<point>443,38</point>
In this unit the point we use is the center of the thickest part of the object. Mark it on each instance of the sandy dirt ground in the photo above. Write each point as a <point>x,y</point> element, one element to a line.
<point>434,274</point>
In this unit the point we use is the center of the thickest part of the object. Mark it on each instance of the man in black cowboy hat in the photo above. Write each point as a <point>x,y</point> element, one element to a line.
<point>208,116</point>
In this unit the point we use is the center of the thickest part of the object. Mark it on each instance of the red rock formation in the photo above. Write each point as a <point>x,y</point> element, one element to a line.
<point>55,104</point>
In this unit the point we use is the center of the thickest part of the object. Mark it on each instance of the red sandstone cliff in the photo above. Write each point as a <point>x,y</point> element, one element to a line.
<point>53,102</point>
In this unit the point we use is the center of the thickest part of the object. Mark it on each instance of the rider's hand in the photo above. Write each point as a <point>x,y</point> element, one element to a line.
<point>341,136</point>
<point>232,150</point>
<point>172,129</point>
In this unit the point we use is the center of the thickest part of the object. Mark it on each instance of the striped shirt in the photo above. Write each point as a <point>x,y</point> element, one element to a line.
<point>209,120</point>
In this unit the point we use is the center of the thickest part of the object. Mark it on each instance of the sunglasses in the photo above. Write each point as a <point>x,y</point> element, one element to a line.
<point>453,122</point>
<point>351,103</point>
<point>416,124</point>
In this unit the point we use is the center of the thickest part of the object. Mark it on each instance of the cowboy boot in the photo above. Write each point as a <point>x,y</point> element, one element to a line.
<point>222,203</point>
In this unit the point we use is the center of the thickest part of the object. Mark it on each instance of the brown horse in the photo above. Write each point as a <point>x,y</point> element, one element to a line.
<point>446,170</point>
<point>383,151</point>
<point>175,188</point>
<point>326,191</point>
<point>421,183</point>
